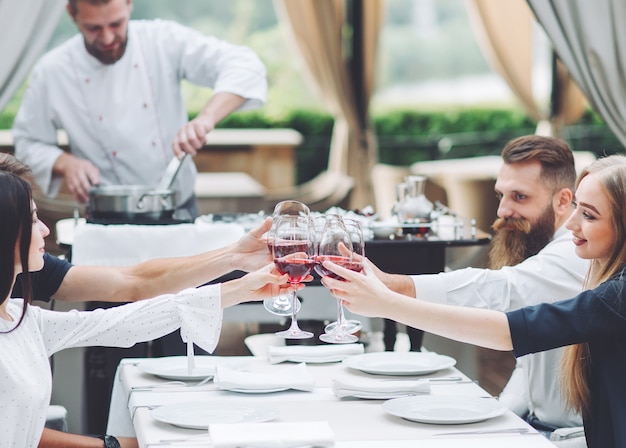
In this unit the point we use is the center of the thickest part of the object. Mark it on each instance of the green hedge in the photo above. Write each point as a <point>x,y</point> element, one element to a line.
<point>407,136</point>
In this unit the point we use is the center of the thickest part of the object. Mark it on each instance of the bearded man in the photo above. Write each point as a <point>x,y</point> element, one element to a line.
<point>532,260</point>
<point>115,88</point>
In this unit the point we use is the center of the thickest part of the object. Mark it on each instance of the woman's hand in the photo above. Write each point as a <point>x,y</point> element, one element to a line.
<point>362,293</point>
<point>258,285</point>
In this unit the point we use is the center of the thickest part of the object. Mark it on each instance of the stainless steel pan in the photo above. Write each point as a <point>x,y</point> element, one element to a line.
<point>128,203</point>
<point>131,201</point>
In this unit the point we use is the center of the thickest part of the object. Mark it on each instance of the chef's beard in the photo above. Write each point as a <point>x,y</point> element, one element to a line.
<point>516,239</point>
<point>107,57</point>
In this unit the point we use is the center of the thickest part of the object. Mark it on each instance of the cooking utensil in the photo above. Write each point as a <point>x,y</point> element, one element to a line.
<point>134,203</point>
<point>130,202</point>
<point>171,172</point>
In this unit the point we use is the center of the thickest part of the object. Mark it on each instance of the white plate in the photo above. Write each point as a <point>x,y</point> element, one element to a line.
<point>257,391</point>
<point>201,415</point>
<point>444,410</point>
<point>399,363</point>
<point>175,367</point>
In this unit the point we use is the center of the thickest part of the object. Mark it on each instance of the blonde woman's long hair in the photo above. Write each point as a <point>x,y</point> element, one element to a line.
<point>576,361</point>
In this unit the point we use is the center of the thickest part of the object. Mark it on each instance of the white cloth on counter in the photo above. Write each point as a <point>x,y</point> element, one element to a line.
<point>289,377</point>
<point>25,378</point>
<point>312,353</point>
<point>126,245</point>
<point>377,388</point>
<point>272,435</point>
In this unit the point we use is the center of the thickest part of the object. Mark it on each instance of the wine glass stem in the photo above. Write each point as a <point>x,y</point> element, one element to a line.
<point>294,306</point>
<point>340,313</point>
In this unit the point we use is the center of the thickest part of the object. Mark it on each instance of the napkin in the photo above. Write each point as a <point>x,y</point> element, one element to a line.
<point>291,377</point>
<point>312,353</point>
<point>125,245</point>
<point>272,435</point>
<point>378,389</point>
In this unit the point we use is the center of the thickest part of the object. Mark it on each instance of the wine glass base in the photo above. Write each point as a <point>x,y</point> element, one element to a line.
<point>280,307</point>
<point>294,334</point>
<point>338,338</point>
<point>349,326</point>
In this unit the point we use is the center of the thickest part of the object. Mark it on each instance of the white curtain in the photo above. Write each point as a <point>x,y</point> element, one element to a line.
<point>504,30</point>
<point>25,30</point>
<point>589,38</point>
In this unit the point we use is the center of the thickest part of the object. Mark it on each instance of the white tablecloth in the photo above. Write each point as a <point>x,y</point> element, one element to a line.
<point>356,423</point>
<point>125,245</point>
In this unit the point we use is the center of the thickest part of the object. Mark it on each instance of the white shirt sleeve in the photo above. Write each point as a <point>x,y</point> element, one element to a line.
<point>210,62</point>
<point>35,135</point>
<point>515,394</point>
<point>555,273</point>
<point>197,311</point>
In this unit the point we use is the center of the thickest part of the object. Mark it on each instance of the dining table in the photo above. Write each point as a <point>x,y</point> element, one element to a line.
<point>141,397</point>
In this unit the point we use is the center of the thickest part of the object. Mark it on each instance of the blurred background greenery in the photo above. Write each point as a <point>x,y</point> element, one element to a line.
<point>436,96</point>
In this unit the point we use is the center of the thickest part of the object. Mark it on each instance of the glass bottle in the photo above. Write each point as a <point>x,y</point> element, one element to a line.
<point>415,208</point>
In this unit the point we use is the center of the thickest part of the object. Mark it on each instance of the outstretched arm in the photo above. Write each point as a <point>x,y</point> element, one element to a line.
<point>165,275</point>
<point>367,295</point>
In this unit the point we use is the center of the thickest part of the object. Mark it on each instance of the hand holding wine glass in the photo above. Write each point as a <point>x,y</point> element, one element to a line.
<point>293,250</point>
<point>355,231</point>
<point>281,305</point>
<point>336,246</point>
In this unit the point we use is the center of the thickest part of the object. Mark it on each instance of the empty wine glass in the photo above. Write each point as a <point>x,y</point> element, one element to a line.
<point>354,229</point>
<point>336,246</point>
<point>294,251</point>
<point>281,305</point>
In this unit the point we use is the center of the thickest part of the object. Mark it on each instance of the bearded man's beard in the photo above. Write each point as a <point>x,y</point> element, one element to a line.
<point>107,57</point>
<point>516,239</point>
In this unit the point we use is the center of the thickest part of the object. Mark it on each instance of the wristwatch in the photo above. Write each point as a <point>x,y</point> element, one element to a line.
<point>110,441</point>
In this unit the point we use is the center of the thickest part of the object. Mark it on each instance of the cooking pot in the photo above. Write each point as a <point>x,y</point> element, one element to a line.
<point>136,203</point>
<point>130,203</point>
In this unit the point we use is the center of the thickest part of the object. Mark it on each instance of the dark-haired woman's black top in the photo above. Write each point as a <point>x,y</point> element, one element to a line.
<point>599,318</point>
<point>45,282</point>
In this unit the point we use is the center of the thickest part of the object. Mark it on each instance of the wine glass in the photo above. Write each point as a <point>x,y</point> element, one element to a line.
<point>294,251</point>
<point>336,246</point>
<point>291,208</point>
<point>354,229</point>
<point>281,305</point>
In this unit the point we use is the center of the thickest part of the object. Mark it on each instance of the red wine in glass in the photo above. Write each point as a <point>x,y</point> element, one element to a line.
<point>281,249</point>
<point>339,260</point>
<point>295,268</point>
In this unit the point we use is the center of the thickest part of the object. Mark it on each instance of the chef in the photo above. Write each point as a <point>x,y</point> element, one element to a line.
<point>115,88</point>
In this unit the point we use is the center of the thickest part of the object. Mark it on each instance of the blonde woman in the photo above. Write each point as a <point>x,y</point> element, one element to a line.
<point>593,323</point>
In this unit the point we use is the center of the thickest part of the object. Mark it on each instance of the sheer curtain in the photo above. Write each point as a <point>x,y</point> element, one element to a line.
<point>317,27</point>
<point>25,29</point>
<point>504,30</point>
<point>589,39</point>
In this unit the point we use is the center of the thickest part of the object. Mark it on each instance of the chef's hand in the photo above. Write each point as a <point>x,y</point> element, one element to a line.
<point>80,175</point>
<point>191,137</point>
